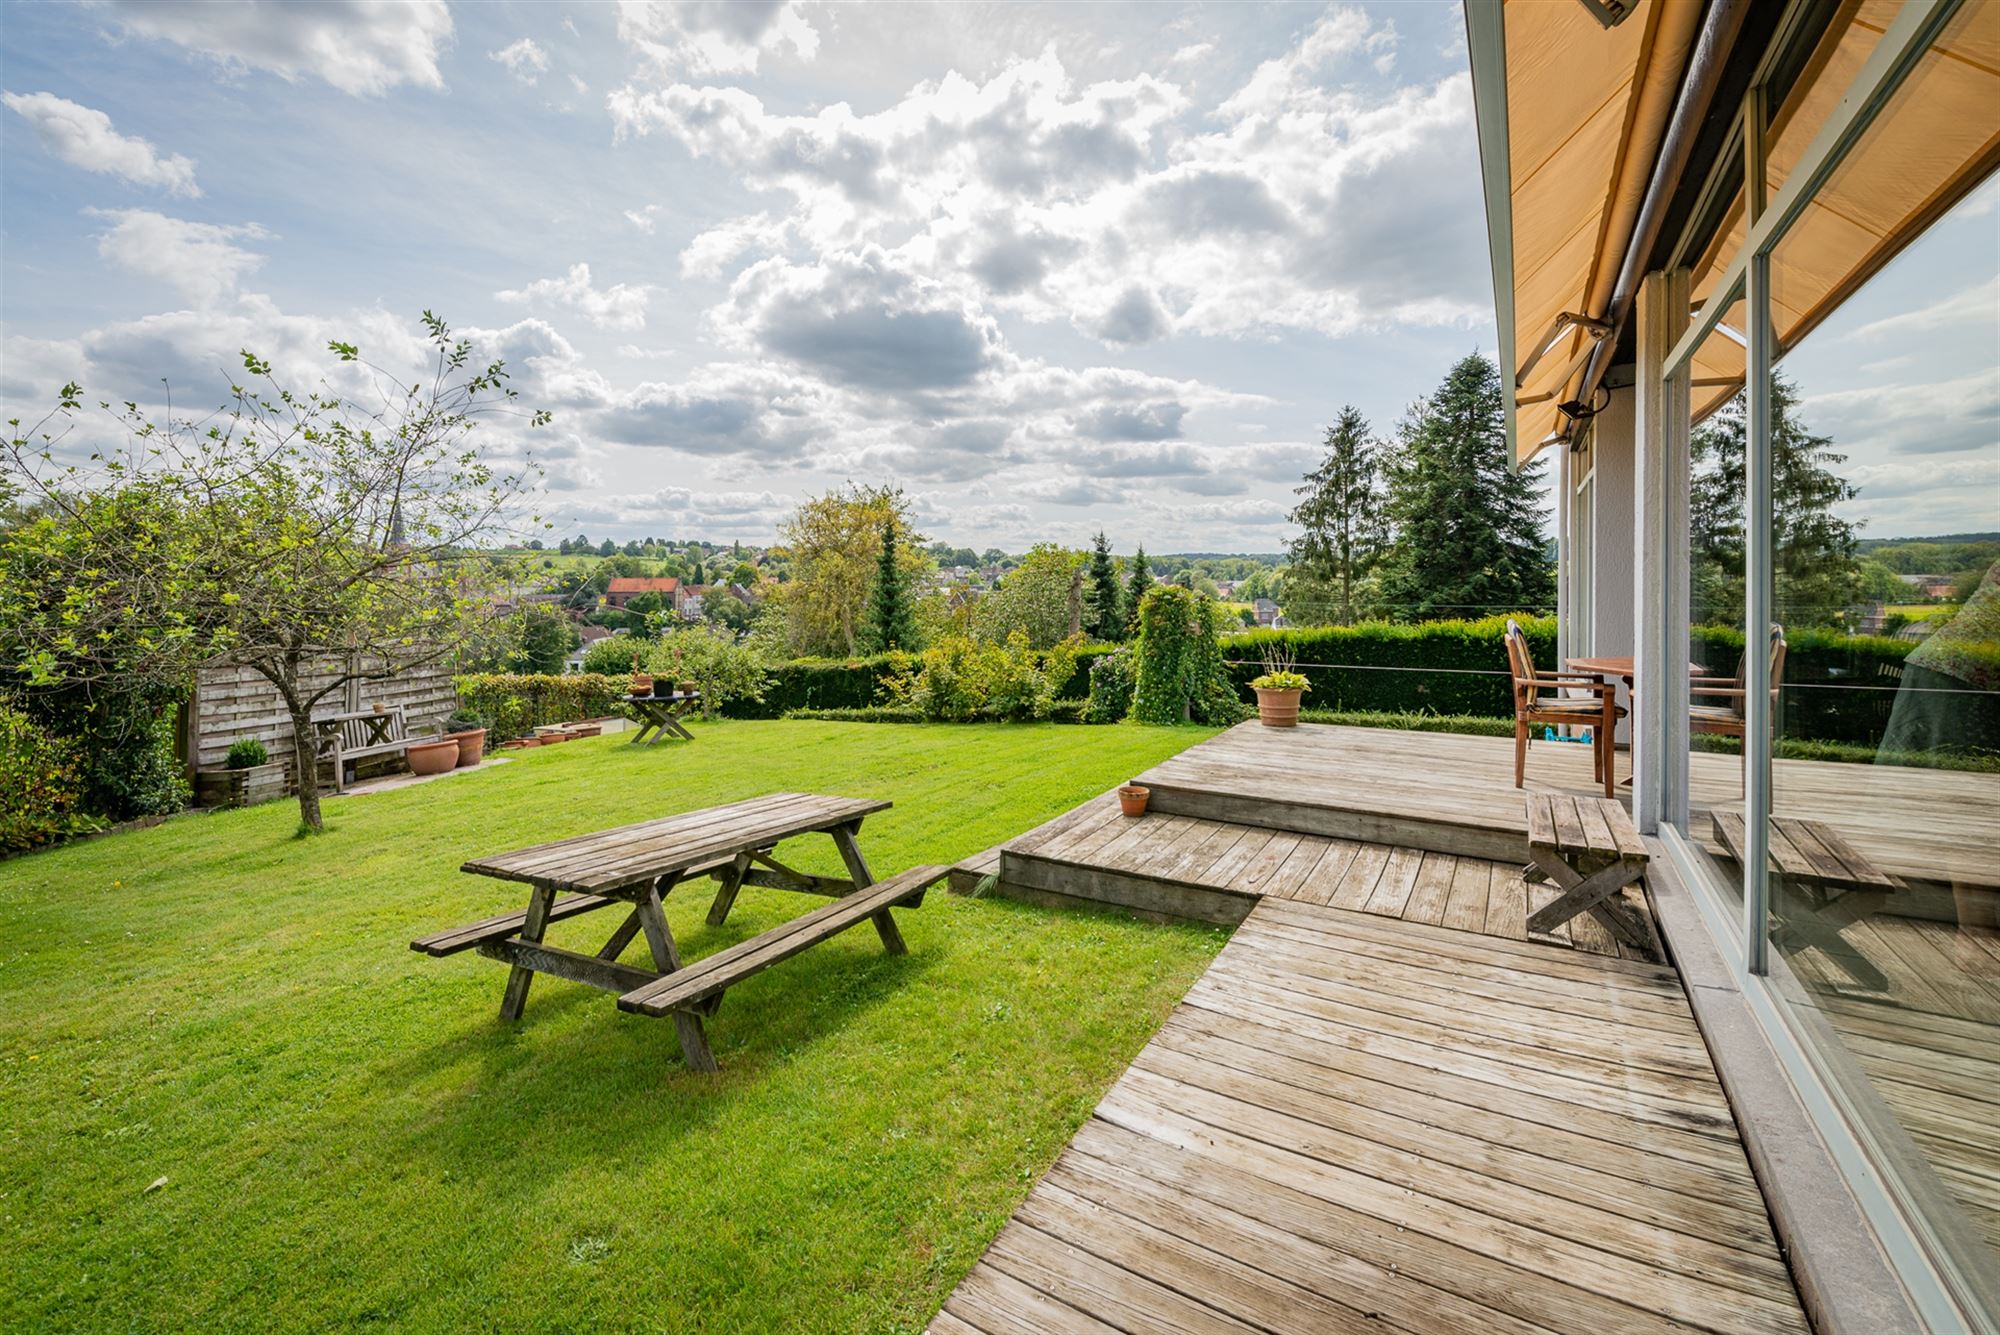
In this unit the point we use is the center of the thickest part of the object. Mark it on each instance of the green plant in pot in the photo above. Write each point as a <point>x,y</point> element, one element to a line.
<point>247,753</point>
<point>469,727</point>
<point>1279,689</point>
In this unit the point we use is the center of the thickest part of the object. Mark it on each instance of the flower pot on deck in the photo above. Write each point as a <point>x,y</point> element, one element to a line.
<point>1278,709</point>
<point>433,757</point>
<point>471,746</point>
<point>1132,799</point>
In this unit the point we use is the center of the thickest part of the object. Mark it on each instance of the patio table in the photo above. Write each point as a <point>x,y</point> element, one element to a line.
<point>661,715</point>
<point>636,866</point>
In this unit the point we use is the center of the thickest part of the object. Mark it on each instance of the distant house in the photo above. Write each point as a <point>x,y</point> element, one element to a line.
<point>591,635</point>
<point>1929,586</point>
<point>1266,610</point>
<point>625,588</point>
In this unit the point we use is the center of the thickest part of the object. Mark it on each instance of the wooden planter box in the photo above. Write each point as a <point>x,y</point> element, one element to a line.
<point>242,787</point>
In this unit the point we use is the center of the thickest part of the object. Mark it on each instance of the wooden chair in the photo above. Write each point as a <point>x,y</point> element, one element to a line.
<point>1725,718</point>
<point>1539,699</point>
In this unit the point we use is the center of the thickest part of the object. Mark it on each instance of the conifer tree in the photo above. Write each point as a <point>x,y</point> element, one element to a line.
<point>891,620</point>
<point>1101,599</point>
<point>1468,529</point>
<point>1342,526</point>
<point>1136,585</point>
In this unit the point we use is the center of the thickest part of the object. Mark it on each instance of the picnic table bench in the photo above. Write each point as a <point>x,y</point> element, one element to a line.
<point>661,715</point>
<point>636,866</point>
<point>1824,875</point>
<point>356,735</point>
<point>1588,848</point>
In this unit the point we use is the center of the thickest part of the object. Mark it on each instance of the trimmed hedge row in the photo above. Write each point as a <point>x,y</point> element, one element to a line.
<point>1379,667</point>
<point>518,703</point>
<point>856,683</point>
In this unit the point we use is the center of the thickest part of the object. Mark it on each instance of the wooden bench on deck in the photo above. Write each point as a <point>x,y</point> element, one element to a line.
<point>1588,848</point>
<point>1827,878</point>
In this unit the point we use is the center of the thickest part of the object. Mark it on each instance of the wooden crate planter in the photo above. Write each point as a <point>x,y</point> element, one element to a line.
<point>242,787</point>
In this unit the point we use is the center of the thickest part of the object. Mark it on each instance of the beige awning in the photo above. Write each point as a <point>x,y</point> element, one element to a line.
<point>1585,110</point>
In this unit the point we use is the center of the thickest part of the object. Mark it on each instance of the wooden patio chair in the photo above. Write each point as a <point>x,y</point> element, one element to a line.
<point>1539,699</point>
<point>1724,717</point>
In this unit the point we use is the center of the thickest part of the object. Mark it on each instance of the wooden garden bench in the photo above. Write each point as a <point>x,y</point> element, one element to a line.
<point>636,866</point>
<point>345,738</point>
<point>1588,848</point>
<point>1829,886</point>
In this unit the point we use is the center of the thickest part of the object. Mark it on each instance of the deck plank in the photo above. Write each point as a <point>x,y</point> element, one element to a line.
<point>1326,1136</point>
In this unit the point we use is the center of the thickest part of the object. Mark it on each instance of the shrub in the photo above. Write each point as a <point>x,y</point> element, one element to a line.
<point>614,655</point>
<point>518,703</point>
<point>722,668</point>
<point>41,785</point>
<point>246,753</point>
<point>959,679</point>
<point>871,714</point>
<point>1181,674</point>
<point>466,720</point>
<point>1111,681</point>
<point>1431,667</point>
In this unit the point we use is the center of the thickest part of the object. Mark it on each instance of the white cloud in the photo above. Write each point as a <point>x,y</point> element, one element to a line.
<point>620,306</point>
<point>200,260</point>
<point>362,47</point>
<point>1190,53</point>
<point>714,36</point>
<point>1979,304</point>
<point>84,138</point>
<point>578,84</point>
<point>637,353</point>
<point>644,219</point>
<point>523,59</point>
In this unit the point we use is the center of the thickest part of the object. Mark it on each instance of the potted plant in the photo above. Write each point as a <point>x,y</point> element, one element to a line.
<point>248,776</point>
<point>1132,799</point>
<point>468,728</point>
<point>642,682</point>
<point>1279,689</point>
<point>435,756</point>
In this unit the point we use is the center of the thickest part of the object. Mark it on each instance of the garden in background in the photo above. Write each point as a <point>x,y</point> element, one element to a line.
<point>232,1088</point>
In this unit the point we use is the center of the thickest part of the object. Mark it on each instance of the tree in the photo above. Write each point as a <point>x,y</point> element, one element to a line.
<point>607,548</point>
<point>1468,534</point>
<point>1137,582</point>
<point>1033,598</point>
<point>1815,574</point>
<point>1342,528</point>
<point>315,538</point>
<point>836,544</point>
<point>1100,615</point>
<point>891,621</point>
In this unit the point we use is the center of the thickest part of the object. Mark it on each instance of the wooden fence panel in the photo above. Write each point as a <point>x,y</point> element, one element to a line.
<point>232,702</point>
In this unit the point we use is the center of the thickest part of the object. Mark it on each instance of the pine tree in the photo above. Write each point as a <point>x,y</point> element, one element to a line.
<point>1468,529</point>
<point>1342,526</point>
<point>1815,573</point>
<point>1101,599</point>
<point>1136,585</point>
<point>890,621</point>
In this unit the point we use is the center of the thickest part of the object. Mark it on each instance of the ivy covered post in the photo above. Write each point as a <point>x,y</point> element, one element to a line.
<point>1181,676</point>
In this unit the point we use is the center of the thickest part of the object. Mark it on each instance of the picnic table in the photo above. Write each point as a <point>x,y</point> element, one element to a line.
<point>1829,886</point>
<point>661,715</point>
<point>637,866</point>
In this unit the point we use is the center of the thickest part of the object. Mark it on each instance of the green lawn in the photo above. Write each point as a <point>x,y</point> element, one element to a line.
<point>348,1134</point>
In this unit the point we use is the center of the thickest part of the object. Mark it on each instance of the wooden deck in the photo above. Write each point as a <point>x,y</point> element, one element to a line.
<point>1356,1122</point>
<point>1455,794</point>
<point>1215,871</point>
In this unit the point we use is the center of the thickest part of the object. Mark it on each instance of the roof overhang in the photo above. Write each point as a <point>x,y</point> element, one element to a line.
<point>1576,118</point>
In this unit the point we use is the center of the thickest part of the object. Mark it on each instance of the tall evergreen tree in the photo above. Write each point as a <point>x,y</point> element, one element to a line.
<point>1468,529</point>
<point>1101,611</point>
<point>1136,584</point>
<point>1342,527</point>
<point>890,621</point>
<point>1815,573</point>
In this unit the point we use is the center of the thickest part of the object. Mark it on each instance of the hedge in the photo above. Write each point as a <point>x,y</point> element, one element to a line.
<point>518,703</point>
<point>856,683</point>
<point>1429,667</point>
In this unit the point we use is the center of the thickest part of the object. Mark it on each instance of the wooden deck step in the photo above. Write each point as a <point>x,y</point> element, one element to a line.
<point>708,977</point>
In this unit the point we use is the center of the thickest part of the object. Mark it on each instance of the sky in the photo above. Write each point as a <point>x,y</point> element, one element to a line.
<point>1051,269</point>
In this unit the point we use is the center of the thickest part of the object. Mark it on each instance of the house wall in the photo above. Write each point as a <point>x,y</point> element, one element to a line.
<point>1614,537</point>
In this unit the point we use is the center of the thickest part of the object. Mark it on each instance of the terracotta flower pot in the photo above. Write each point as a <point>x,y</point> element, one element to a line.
<point>1278,709</point>
<point>685,688</point>
<point>433,757</point>
<point>642,683</point>
<point>1132,799</point>
<point>471,746</point>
